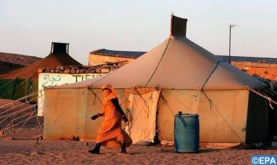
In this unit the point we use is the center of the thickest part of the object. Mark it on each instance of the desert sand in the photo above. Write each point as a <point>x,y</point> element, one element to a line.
<point>76,152</point>
<point>24,148</point>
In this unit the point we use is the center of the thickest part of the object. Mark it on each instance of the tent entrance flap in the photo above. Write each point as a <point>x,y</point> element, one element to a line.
<point>142,112</point>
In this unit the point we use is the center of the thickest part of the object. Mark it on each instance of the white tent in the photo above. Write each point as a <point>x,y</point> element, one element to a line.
<point>190,80</point>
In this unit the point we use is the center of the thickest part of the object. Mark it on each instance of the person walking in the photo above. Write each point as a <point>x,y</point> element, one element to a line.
<point>110,133</point>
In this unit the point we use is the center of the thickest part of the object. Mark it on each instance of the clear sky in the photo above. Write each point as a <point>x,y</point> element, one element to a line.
<point>29,26</point>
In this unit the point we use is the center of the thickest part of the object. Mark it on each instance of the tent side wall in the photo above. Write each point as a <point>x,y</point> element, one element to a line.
<point>222,113</point>
<point>171,102</point>
<point>65,113</point>
<point>223,116</point>
<point>257,129</point>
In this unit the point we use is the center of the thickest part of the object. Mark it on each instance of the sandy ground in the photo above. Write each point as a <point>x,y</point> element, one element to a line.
<point>22,150</point>
<point>76,152</point>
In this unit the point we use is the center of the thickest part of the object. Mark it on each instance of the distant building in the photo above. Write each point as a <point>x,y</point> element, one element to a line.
<point>255,66</point>
<point>10,61</point>
<point>104,56</point>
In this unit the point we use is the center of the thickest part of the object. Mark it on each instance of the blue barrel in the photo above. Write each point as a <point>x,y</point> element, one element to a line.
<point>186,132</point>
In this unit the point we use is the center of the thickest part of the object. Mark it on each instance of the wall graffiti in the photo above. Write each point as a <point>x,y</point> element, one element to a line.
<point>81,77</point>
<point>52,79</point>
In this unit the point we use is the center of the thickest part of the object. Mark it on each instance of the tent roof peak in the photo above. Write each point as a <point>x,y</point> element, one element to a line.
<point>178,26</point>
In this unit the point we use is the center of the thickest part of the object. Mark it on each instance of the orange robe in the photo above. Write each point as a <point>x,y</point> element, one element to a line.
<point>110,131</point>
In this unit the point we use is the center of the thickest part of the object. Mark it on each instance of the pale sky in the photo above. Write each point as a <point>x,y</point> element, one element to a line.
<point>29,26</point>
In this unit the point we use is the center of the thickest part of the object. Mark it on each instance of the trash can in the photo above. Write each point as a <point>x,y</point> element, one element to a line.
<point>186,132</point>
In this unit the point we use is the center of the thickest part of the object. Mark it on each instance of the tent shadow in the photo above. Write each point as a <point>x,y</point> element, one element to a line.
<point>252,147</point>
<point>201,150</point>
<point>207,150</point>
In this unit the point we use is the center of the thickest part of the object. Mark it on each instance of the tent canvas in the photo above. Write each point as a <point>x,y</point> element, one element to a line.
<point>192,80</point>
<point>21,82</point>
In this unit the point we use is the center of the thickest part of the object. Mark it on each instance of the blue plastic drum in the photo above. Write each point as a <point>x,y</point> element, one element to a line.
<point>186,132</point>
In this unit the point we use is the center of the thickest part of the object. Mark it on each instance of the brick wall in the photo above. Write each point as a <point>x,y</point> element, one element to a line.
<point>265,70</point>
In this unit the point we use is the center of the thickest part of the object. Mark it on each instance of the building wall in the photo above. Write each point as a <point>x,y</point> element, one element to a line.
<point>95,59</point>
<point>265,70</point>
